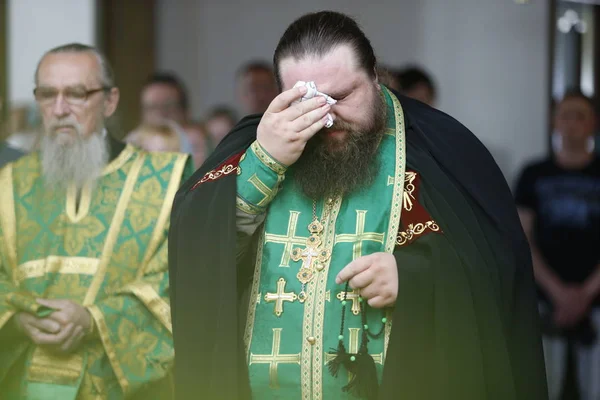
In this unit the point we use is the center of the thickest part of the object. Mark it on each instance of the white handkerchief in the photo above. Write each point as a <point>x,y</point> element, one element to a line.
<point>312,92</point>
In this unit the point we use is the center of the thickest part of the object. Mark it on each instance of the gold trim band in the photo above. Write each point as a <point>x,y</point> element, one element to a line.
<point>157,306</point>
<point>163,217</point>
<point>8,220</point>
<point>248,208</point>
<point>114,229</point>
<point>57,265</point>
<point>267,160</point>
<point>120,160</point>
<point>398,191</point>
<point>108,347</point>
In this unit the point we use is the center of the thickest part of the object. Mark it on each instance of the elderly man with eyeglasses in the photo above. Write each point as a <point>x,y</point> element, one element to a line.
<point>84,306</point>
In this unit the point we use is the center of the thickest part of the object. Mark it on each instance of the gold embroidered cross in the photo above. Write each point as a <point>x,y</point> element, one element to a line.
<point>279,297</point>
<point>354,295</point>
<point>288,240</point>
<point>274,359</point>
<point>353,343</point>
<point>360,235</point>
<point>267,192</point>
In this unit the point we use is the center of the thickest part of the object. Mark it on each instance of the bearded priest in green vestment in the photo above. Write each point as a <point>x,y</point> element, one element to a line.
<point>84,306</point>
<point>350,243</point>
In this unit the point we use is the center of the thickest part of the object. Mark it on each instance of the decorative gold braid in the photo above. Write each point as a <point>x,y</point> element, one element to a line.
<point>267,160</point>
<point>217,173</point>
<point>415,230</point>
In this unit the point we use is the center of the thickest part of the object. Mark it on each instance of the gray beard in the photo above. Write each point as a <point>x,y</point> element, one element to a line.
<point>79,163</point>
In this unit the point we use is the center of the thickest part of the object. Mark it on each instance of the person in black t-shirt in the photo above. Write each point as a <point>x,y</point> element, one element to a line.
<point>559,205</point>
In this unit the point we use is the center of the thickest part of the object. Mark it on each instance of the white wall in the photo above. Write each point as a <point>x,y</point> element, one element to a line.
<point>35,26</point>
<point>489,57</point>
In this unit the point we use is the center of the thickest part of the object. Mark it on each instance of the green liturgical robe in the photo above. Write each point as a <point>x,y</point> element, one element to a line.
<point>294,314</point>
<point>106,250</point>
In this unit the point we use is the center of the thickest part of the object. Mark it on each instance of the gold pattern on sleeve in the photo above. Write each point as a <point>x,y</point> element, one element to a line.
<point>48,367</point>
<point>267,160</point>
<point>266,191</point>
<point>274,359</point>
<point>8,220</point>
<point>280,296</point>
<point>415,230</point>
<point>246,207</point>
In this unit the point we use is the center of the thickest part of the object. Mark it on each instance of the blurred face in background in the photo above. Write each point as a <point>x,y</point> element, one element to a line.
<point>74,104</point>
<point>159,138</point>
<point>256,89</point>
<point>421,92</point>
<point>574,121</point>
<point>161,102</point>
<point>218,127</point>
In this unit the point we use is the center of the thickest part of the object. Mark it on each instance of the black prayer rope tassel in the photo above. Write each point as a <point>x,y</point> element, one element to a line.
<point>363,382</point>
<point>341,355</point>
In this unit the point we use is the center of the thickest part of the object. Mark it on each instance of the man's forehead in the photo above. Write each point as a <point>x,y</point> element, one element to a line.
<point>69,69</point>
<point>333,73</point>
<point>160,89</point>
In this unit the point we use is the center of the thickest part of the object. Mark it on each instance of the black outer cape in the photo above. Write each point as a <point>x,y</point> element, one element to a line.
<point>206,286</point>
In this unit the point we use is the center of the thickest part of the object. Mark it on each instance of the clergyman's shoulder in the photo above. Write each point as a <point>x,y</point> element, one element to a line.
<point>29,162</point>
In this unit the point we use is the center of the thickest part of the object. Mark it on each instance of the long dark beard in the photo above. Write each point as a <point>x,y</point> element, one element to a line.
<point>329,166</point>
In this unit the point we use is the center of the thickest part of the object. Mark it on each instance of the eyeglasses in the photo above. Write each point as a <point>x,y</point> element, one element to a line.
<point>74,96</point>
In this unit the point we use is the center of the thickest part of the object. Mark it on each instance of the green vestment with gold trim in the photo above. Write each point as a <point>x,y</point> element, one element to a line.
<point>292,330</point>
<point>104,248</point>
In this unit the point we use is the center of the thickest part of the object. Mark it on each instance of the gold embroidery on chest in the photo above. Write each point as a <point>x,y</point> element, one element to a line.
<point>360,235</point>
<point>289,240</point>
